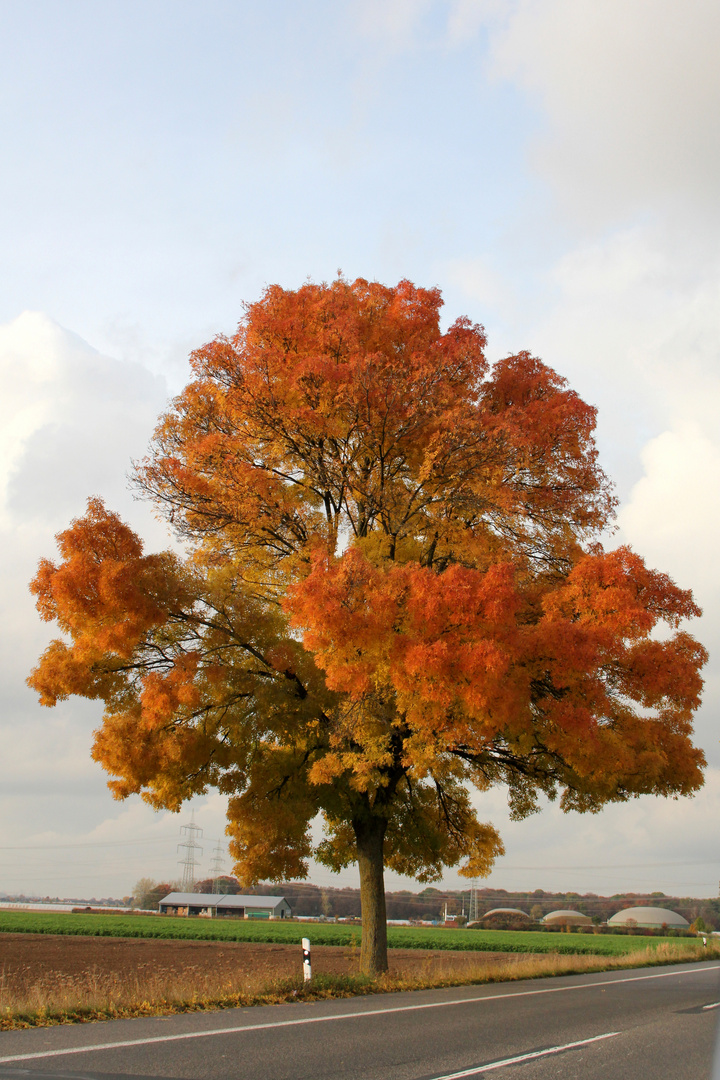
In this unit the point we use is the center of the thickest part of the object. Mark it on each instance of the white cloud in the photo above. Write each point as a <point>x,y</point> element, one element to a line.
<point>97,852</point>
<point>673,518</point>
<point>646,844</point>
<point>635,332</point>
<point>76,418</point>
<point>467,17</point>
<point>391,22</point>
<point>673,514</point>
<point>482,283</point>
<point>31,349</point>
<point>630,96</point>
<point>79,418</point>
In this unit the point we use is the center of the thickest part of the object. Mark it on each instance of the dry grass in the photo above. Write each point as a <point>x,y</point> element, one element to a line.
<point>94,995</point>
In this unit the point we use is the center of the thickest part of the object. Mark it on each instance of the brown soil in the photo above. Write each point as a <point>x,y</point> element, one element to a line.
<point>29,959</point>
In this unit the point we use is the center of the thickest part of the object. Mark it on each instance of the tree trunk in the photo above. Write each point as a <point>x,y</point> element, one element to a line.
<point>369,835</point>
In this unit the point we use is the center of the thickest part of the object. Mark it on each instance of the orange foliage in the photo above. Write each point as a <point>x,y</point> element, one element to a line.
<point>393,593</point>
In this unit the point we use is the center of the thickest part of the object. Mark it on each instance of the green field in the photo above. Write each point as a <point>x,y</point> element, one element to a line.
<point>399,937</point>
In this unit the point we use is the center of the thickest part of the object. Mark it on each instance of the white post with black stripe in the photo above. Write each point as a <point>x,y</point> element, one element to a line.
<point>307,966</point>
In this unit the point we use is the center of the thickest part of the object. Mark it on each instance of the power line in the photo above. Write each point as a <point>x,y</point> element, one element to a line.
<point>85,843</point>
<point>613,866</point>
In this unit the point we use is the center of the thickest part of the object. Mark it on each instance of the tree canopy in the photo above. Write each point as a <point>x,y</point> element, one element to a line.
<point>392,594</point>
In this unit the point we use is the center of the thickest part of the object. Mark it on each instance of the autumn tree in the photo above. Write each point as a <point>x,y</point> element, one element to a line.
<point>393,594</point>
<point>224,884</point>
<point>147,893</point>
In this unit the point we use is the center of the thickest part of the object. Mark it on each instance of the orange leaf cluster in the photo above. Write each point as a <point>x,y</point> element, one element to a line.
<point>104,594</point>
<point>471,658</point>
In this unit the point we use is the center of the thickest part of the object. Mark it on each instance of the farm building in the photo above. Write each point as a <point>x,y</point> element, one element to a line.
<point>212,906</point>
<point>648,917</point>
<point>567,918</point>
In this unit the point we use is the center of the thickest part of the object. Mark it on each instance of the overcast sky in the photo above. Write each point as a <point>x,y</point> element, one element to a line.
<point>551,165</point>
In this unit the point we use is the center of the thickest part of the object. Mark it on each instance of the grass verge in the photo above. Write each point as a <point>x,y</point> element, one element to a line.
<point>97,996</point>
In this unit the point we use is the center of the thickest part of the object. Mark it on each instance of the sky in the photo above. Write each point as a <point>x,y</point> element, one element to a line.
<point>551,165</point>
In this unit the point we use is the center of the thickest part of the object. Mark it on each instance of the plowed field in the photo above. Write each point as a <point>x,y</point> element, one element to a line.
<point>29,959</point>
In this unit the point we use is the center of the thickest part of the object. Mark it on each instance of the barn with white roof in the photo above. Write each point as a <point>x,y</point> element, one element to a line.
<point>211,905</point>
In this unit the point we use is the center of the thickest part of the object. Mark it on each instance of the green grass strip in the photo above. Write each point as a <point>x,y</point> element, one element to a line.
<point>399,937</point>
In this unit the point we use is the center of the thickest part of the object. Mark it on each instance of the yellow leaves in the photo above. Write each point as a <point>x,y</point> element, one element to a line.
<point>358,748</point>
<point>434,825</point>
<point>337,849</point>
<point>269,824</point>
<point>484,846</point>
<point>60,674</point>
<point>377,547</point>
<point>326,769</point>
<point>421,751</point>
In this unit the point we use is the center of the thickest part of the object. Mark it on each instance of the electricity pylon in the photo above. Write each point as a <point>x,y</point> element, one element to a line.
<point>190,845</point>
<point>216,866</point>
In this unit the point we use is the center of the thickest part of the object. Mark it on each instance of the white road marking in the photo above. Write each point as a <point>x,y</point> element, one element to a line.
<point>715,1005</point>
<point>523,1057</point>
<point>239,1029</point>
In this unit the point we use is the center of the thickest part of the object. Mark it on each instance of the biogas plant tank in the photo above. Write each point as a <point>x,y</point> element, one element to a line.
<point>567,918</point>
<point>650,917</point>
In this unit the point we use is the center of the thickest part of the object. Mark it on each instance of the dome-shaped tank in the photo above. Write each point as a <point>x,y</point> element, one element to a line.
<point>567,918</point>
<point>506,911</point>
<point>649,917</point>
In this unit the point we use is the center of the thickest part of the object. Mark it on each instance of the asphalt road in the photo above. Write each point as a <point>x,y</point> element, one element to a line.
<point>645,1024</point>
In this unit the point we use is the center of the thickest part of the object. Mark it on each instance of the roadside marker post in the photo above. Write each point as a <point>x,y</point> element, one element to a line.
<point>307,966</point>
